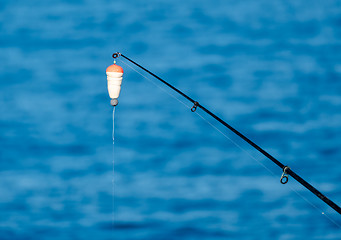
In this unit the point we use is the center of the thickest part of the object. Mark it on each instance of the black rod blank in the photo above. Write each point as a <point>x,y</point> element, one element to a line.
<point>286,169</point>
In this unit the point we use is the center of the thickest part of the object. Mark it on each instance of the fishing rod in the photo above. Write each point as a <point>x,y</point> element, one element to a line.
<point>115,72</point>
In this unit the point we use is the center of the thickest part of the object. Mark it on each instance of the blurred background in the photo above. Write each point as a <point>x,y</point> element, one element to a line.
<point>269,68</point>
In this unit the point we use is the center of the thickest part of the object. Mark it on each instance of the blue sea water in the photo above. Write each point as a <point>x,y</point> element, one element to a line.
<point>272,69</point>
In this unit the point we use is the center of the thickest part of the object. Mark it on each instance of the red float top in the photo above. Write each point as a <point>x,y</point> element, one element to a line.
<point>115,68</point>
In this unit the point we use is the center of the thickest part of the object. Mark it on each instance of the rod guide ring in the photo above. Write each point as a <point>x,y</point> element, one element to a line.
<point>284,178</point>
<point>194,108</point>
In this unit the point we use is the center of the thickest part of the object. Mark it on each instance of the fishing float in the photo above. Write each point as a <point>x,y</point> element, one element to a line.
<point>114,80</point>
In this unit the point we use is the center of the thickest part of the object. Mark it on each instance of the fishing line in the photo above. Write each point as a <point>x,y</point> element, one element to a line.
<point>236,144</point>
<point>113,165</point>
<point>286,170</point>
<point>158,86</point>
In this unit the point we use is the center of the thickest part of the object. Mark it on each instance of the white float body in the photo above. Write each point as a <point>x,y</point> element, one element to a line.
<point>114,77</point>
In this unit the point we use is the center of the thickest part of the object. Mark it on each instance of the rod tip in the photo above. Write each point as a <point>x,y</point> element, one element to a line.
<point>114,102</point>
<point>116,55</point>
